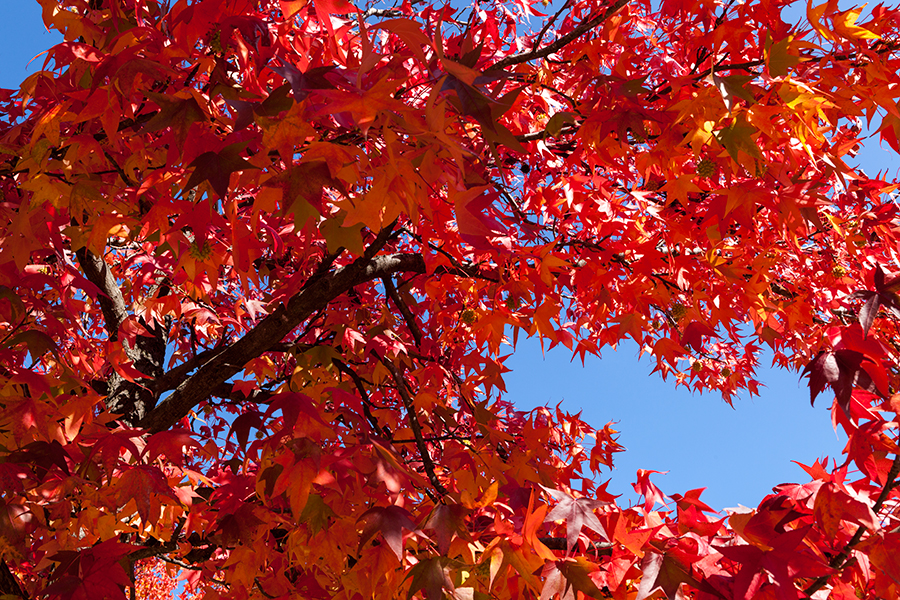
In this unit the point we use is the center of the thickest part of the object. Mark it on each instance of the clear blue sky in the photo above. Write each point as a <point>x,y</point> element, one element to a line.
<point>737,454</point>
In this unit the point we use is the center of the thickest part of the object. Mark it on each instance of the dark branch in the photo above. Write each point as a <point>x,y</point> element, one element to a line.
<point>560,543</point>
<point>361,388</point>
<point>227,391</point>
<point>561,42</point>
<point>410,319</point>
<point>112,304</point>
<point>9,585</point>
<point>840,560</point>
<point>543,134</point>
<point>416,427</point>
<point>548,24</point>
<point>171,378</point>
<point>130,399</point>
<point>313,297</point>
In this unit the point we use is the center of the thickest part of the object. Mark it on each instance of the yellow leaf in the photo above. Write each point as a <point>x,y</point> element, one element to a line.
<point>289,8</point>
<point>463,73</point>
<point>285,132</point>
<point>680,187</point>
<point>814,15</point>
<point>845,25</point>
<point>48,189</point>
<point>48,125</point>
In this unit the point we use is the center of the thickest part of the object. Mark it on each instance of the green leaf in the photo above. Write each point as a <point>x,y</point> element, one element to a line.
<point>38,343</point>
<point>780,59</point>
<point>17,307</point>
<point>557,122</point>
<point>316,513</point>
<point>427,575</point>
<point>737,139</point>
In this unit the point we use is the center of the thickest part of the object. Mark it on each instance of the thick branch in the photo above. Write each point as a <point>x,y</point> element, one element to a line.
<point>171,378</point>
<point>561,42</point>
<point>313,297</point>
<point>111,301</point>
<point>151,551</point>
<point>227,392</point>
<point>132,400</point>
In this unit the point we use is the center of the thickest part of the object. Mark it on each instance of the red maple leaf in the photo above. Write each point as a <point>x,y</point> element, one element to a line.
<point>577,513</point>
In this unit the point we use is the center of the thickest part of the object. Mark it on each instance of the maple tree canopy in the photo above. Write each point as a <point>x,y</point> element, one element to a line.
<point>262,261</point>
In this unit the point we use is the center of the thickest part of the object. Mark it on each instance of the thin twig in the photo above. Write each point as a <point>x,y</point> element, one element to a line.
<point>361,388</point>
<point>119,170</point>
<point>721,18</point>
<point>17,327</point>
<point>548,24</point>
<point>840,561</point>
<point>442,438</point>
<point>410,319</point>
<point>562,42</point>
<point>467,270</point>
<point>414,425</point>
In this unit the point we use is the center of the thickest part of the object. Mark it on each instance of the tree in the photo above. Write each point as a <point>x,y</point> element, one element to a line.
<point>262,263</point>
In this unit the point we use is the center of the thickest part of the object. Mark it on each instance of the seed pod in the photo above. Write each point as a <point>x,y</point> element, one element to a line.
<point>706,168</point>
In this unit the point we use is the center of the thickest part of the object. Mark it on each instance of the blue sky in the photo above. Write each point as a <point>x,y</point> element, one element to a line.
<point>737,454</point>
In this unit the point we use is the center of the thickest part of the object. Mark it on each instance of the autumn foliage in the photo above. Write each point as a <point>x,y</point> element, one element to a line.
<point>262,261</point>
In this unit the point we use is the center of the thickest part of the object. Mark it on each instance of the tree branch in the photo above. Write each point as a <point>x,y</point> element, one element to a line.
<point>364,395</point>
<point>387,13</point>
<point>561,42</point>
<point>839,561</point>
<point>317,293</point>
<point>130,399</point>
<point>9,585</point>
<point>548,24</point>
<point>171,378</point>
<point>226,391</point>
<point>410,319</point>
<point>112,303</point>
<point>416,428</point>
<point>560,543</point>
